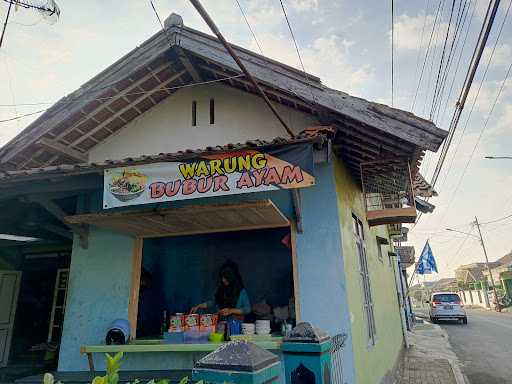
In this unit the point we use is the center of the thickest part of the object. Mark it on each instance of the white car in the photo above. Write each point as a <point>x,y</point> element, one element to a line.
<point>447,306</point>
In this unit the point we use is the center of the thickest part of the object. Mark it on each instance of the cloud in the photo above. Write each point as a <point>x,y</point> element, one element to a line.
<point>327,57</point>
<point>304,5</point>
<point>501,56</point>
<point>410,29</point>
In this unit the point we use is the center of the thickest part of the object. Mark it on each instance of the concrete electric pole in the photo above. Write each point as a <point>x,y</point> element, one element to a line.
<point>498,307</point>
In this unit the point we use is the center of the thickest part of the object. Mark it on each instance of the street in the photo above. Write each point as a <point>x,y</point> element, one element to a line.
<point>484,346</point>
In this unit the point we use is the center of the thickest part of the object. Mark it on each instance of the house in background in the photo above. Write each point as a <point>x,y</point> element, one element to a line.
<point>132,174</point>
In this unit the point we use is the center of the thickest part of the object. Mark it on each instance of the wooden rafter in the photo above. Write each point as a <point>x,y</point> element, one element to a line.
<point>128,107</point>
<point>61,149</point>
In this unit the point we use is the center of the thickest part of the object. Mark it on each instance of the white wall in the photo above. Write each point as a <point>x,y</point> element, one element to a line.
<point>472,298</point>
<point>167,127</point>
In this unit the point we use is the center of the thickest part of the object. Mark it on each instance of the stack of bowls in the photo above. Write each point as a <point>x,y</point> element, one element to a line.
<point>248,329</point>
<point>262,327</point>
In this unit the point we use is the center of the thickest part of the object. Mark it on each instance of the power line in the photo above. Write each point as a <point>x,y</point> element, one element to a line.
<point>497,220</point>
<point>420,45</point>
<point>459,26</point>
<point>459,59</point>
<point>484,127</point>
<point>21,116</point>
<point>466,124</point>
<point>442,58</point>
<point>250,28</point>
<point>426,55</point>
<point>392,52</point>
<point>477,54</point>
<point>157,15</point>
<point>293,36</point>
<point>115,96</point>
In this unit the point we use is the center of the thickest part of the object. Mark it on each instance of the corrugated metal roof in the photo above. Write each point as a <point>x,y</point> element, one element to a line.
<point>83,168</point>
<point>383,124</point>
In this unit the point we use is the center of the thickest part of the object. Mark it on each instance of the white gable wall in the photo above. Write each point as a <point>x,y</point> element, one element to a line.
<point>167,127</point>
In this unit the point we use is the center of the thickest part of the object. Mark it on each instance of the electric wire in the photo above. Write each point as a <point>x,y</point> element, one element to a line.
<point>420,45</point>
<point>442,58</point>
<point>468,81</point>
<point>459,26</point>
<point>250,28</point>
<point>466,124</point>
<point>393,52</point>
<point>473,106</point>
<point>293,35</point>
<point>475,61</point>
<point>482,131</point>
<point>157,15</point>
<point>115,96</point>
<point>426,55</point>
<point>459,60</point>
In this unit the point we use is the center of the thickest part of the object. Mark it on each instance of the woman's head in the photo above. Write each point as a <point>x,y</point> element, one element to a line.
<point>229,274</point>
<point>230,285</point>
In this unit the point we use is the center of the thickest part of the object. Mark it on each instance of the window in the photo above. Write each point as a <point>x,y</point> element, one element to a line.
<point>357,226</point>
<point>212,111</point>
<point>446,298</point>
<point>194,113</point>
<point>380,242</point>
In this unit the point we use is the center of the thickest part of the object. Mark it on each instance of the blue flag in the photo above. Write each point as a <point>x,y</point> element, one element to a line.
<point>426,262</point>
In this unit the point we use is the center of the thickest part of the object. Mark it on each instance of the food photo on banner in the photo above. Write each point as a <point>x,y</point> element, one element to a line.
<point>225,173</point>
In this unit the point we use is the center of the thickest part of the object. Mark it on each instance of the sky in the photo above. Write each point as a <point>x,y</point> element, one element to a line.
<point>348,45</point>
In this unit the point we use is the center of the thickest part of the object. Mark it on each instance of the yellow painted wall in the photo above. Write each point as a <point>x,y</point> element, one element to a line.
<point>372,364</point>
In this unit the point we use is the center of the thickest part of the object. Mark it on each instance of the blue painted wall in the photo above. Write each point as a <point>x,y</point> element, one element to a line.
<point>99,287</point>
<point>100,278</point>
<point>322,290</point>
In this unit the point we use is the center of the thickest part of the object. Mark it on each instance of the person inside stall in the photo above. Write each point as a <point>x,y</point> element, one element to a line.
<point>149,317</point>
<point>231,298</point>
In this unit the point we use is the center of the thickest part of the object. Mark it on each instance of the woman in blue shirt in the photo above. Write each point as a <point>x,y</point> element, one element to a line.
<point>231,297</point>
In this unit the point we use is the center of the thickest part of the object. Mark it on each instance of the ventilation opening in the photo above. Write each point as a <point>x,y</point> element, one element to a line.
<point>212,111</point>
<point>194,113</point>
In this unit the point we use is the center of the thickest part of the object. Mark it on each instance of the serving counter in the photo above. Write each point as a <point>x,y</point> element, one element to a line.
<point>158,345</point>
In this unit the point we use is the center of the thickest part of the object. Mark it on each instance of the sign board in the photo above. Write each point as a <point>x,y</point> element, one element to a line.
<point>226,173</point>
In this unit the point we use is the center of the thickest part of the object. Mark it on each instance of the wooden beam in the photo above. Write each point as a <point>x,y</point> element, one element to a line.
<point>296,201</point>
<point>108,102</point>
<point>57,212</point>
<point>295,268</point>
<point>58,231</point>
<point>55,146</point>
<point>133,301</point>
<point>129,106</point>
<point>185,60</point>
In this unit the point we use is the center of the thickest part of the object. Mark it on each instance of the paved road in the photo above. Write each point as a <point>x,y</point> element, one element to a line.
<point>484,346</point>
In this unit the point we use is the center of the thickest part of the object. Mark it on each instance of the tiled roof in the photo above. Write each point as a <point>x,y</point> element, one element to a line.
<point>422,187</point>
<point>82,168</point>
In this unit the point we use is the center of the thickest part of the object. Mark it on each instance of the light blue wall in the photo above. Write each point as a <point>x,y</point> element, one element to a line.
<point>322,291</point>
<point>100,278</point>
<point>99,287</point>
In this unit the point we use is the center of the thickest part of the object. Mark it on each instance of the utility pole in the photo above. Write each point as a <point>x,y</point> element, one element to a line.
<point>498,308</point>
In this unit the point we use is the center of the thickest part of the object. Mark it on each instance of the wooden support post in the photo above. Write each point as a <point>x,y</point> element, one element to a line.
<point>296,200</point>
<point>91,365</point>
<point>295,268</point>
<point>133,303</point>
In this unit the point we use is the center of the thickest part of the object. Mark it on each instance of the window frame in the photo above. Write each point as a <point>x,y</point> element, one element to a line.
<point>364,273</point>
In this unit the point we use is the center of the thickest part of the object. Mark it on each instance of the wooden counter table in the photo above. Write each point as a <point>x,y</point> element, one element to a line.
<point>145,346</point>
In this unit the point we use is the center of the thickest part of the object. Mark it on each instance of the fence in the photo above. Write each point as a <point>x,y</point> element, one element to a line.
<point>338,343</point>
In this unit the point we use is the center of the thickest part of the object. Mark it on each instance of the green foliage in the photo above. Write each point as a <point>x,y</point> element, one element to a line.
<point>113,366</point>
